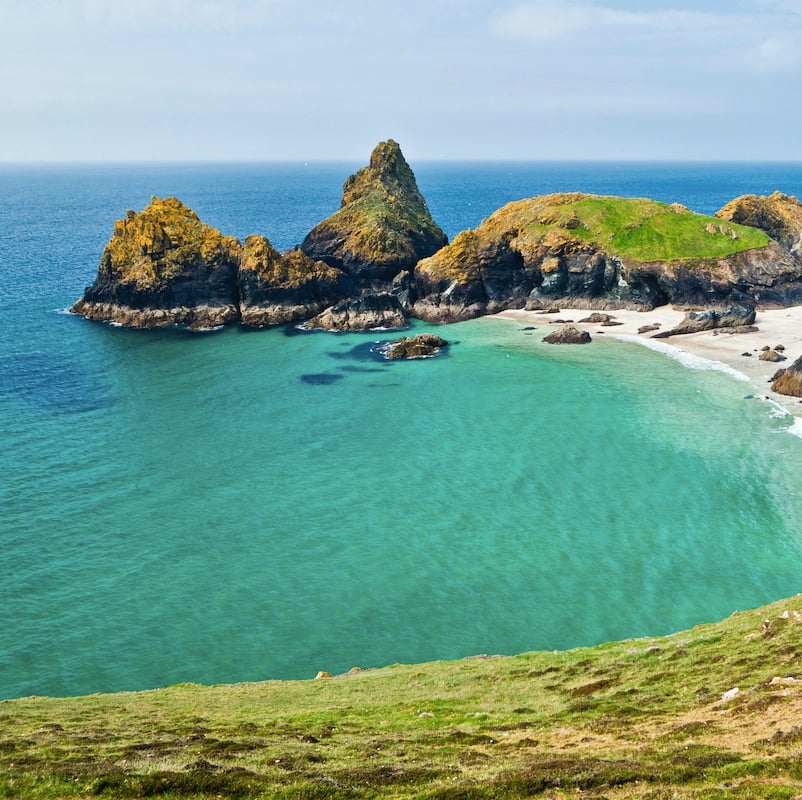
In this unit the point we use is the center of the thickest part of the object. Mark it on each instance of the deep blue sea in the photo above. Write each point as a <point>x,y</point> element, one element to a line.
<point>179,507</point>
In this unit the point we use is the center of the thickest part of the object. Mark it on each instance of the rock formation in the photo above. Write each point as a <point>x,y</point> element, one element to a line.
<point>735,316</point>
<point>383,225</point>
<point>381,258</point>
<point>162,267</point>
<point>275,288</point>
<point>423,345</point>
<point>779,215</point>
<point>788,381</point>
<point>368,312</point>
<point>601,252</point>
<point>568,334</point>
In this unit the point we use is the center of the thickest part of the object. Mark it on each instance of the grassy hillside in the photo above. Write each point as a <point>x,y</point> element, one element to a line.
<point>655,718</point>
<point>638,229</point>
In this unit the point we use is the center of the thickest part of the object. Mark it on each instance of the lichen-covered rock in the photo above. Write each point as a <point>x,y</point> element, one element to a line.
<point>163,267</point>
<point>780,215</point>
<point>423,345</point>
<point>278,288</point>
<point>568,334</point>
<point>734,316</point>
<point>788,381</point>
<point>601,253</point>
<point>383,225</point>
<point>369,312</point>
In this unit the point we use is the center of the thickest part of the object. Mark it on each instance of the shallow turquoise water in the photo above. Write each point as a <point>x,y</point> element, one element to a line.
<point>241,506</point>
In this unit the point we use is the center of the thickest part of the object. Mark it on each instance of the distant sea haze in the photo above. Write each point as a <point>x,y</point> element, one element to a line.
<point>241,506</point>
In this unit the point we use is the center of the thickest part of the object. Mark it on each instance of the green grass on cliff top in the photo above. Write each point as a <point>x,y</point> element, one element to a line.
<point>655,718</point>
<point>640,229</point>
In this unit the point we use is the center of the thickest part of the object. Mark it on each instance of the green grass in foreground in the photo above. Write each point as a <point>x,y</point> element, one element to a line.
<point>639,718</point>
<point>645,230</point>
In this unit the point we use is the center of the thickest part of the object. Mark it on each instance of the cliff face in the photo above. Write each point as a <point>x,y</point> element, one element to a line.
<point>601,252</point>
<point>163,266</point>
<point>383,225</point>
<point>381,258</point>
<point>276,288</point>
<point>779,215</point>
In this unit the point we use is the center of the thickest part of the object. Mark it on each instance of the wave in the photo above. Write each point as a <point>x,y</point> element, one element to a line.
<point>683,356</point>
<point>795,428</point>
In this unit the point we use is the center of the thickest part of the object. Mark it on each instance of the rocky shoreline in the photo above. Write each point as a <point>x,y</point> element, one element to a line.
<point>381,259</point>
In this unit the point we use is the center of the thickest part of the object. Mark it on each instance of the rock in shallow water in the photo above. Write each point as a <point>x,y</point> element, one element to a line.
<point>424,345</point>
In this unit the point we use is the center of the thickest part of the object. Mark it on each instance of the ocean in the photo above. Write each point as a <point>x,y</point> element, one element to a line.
<point>241,506</point>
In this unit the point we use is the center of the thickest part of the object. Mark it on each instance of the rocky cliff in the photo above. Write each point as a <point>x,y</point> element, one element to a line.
<point>602,252</point>
<point>276,288</point>
<point>779,215</point>
<point>383,225</point>
<point>163,266</point>
<point>382,258</point>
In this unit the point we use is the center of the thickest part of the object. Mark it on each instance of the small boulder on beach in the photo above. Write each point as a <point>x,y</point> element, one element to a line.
<point>568,334</point>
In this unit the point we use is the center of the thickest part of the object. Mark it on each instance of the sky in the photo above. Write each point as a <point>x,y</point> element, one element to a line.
<point>305,80</point>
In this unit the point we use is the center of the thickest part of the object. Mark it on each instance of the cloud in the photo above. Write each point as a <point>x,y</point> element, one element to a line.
<point>774,55</point>
<point>761,40</point>
<point>546,21</point>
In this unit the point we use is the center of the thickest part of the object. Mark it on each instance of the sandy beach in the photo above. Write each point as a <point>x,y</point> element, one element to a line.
<point>775,327</point>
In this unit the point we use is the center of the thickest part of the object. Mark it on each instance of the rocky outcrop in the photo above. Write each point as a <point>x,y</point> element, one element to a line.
<point>423,345</point>
<point>601,252</point>
<point>734,316</point>
<point>276,288</point>
<point>788,381</point>
<point>568,334</point>
<point>369,312</point>
<point>163,267</point>
<point>779,215</point>
<point>383,226</point>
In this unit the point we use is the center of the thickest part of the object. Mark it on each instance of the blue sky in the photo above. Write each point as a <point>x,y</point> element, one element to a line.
<point>241,80</point>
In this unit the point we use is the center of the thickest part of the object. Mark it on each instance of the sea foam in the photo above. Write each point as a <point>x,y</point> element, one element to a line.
<point>684,357</point>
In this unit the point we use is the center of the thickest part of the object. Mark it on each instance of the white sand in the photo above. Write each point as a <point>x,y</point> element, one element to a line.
<point>777,326</point>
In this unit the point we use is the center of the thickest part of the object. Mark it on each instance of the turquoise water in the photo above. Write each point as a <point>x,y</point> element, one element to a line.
<point>241,506</point>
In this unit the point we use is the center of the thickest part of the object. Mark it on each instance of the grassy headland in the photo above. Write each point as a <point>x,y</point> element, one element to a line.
<point>655,717</point>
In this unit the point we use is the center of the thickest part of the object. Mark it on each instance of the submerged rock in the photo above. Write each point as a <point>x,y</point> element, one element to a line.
<point>734,316</point>
<point>383,225</point>
<point>423,345</point>
<point>164,267</point>
<point>568,334</point>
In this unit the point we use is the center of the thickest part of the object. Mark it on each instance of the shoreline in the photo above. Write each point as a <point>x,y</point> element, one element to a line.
<point>782,326</point>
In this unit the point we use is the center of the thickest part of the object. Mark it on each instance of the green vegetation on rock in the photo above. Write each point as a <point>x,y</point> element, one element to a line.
<point>161,242</point>
<point>383,225</point>
<point>712,712</point>
<point>559,225</point>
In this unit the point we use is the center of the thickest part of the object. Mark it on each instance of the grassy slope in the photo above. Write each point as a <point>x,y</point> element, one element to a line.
<point>645,230</point>
<point>639,718</point>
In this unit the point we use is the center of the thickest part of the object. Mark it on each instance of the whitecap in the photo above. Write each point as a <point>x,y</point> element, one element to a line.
<point>795,428</point>
<point>683,356</point>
